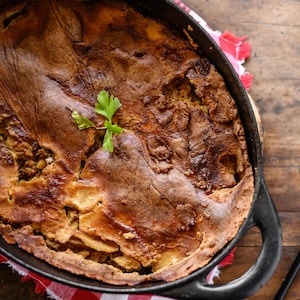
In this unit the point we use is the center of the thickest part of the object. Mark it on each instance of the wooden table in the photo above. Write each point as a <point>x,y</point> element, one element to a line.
<point>273,28</point>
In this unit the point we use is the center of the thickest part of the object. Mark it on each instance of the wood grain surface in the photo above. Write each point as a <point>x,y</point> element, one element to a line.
<point>273,28</point>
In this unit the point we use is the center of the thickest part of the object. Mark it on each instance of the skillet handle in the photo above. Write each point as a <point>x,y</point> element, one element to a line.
<point>265,217</point>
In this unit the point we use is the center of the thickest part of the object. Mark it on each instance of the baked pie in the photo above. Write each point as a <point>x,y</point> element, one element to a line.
<point>178,184</point>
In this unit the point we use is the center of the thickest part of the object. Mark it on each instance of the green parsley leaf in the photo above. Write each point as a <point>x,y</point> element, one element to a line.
<point>107,142</point>
<point>106,106</point>
<point>81,121</point>
<point>114,128</point>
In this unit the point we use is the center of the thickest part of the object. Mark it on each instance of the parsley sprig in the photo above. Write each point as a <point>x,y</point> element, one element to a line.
<point>106,106</point>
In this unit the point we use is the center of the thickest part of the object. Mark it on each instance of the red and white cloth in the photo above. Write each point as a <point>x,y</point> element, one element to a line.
<point>237,49</point>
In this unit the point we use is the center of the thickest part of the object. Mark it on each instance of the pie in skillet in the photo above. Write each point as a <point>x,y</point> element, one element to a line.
<point>178,184</point>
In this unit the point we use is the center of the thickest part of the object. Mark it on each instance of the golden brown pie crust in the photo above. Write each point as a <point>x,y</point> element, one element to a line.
<point>179,183</point>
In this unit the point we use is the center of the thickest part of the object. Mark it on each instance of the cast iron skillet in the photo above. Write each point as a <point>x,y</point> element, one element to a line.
<point>262,213</point>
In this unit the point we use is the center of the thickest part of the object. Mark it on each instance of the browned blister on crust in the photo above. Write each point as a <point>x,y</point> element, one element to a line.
<point>179,183</point>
